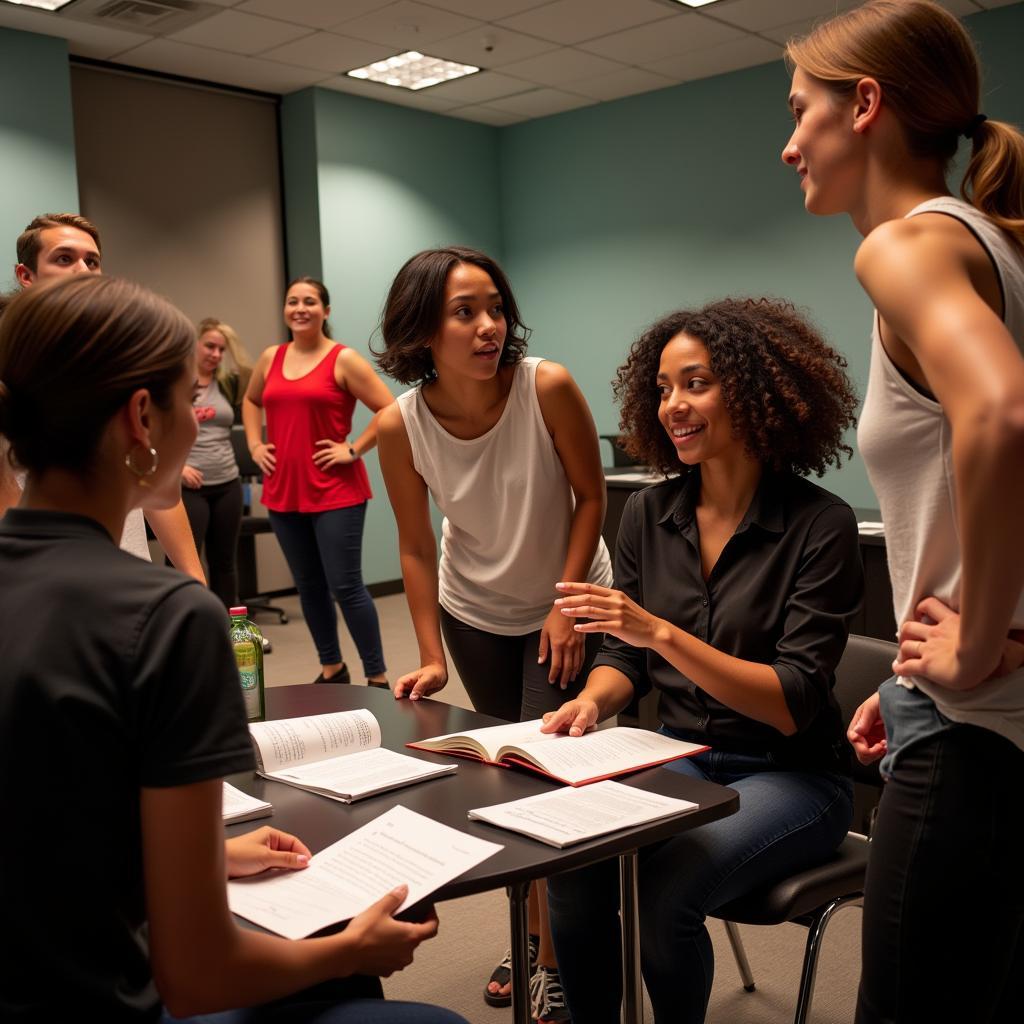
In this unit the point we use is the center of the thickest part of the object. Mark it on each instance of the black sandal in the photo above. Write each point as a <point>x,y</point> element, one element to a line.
<point>341,677</point>
<point>502,974</point>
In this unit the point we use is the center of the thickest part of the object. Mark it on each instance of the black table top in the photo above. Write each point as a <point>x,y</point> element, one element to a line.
<point>319,821</point>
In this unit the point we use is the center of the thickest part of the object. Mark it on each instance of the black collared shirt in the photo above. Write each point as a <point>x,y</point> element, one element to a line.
<point>114,675</point>
<point>782,593</point>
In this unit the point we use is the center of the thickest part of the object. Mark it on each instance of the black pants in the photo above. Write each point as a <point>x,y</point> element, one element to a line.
<point>944,904</point>
<point>215,515</point>
<point>501,673</point>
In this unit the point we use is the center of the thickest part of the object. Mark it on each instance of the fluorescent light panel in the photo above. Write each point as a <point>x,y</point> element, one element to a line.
<point>412,70</point>
<point>696,3</point>
<point>43,5</point>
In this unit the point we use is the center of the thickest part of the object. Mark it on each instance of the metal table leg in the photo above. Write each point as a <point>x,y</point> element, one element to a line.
<point>632,998</point>
<point>518,896</point>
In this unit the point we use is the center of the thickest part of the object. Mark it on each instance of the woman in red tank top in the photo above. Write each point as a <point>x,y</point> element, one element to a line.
<point>315,485</point>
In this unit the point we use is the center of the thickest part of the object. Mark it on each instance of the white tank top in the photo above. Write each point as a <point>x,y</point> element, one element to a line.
<point>507,505</point>
<point>907,445</point>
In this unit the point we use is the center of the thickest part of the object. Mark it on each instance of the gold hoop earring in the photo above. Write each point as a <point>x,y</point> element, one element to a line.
<point>154,461</point>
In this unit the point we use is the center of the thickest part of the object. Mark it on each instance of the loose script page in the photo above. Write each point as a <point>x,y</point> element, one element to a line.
<point>292,741</point>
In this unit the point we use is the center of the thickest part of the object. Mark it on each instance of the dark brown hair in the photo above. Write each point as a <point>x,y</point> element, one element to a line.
<point>414,309</point>
<point>321,290</point>
<point>72,352</point>
<point>927,67</point>
<point>30,241</point>
<point>784,387</point>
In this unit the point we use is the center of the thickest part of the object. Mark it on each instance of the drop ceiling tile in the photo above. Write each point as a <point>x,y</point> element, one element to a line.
<point>995,3</point>
<point>239,33</point>
<point>560,66</point>
<point>627,82</point>
<point>757,15</point>
<point>424,99</point>
<point>190,61</point>
<point>314,13</point>
<point>481,88</point>
<point>407,26</point>
<point>716,60</point>
<point>325,51</point>
<point>541,102</point>
<point>84,39</point>
<point>666,38</point>
<point>483,114</point>
<point>505,46</point>
<point>572,21</point>
<point>487,10</point>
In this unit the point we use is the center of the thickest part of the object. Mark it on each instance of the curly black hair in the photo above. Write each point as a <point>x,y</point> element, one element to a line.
<point>785,388</point>
<point>412,312</point>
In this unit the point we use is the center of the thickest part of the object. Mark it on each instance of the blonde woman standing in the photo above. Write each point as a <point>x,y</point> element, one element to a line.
<point>882,97</point>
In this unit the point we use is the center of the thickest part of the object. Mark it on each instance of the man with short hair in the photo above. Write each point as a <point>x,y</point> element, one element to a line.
<point>51,246</point>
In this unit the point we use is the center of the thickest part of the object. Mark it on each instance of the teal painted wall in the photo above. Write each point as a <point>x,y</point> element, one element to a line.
<point>389,182</point>
<point>37,139</point>
<point>615,214</point>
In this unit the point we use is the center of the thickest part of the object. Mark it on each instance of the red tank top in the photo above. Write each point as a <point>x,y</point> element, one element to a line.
<point>300,413</point>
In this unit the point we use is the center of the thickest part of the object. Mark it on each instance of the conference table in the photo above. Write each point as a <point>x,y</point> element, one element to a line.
<point>319,822</point>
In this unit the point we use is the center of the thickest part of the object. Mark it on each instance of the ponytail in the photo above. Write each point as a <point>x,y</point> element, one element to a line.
<point>994,181</point>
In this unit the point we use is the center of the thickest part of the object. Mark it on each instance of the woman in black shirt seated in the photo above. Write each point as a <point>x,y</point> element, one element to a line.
<point>121,711</point>
<point>737,581</point>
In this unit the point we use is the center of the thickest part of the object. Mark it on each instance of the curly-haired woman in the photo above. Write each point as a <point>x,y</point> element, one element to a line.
<point>506,446</point>
<point>738,579</point>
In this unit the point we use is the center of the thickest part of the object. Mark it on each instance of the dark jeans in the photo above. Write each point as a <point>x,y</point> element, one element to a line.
<point>324,551</point>
<point>787,821</point>
<point>346,1001</point>
<point>501,673</point>
<point>215,515</point>
<point>943,932</point>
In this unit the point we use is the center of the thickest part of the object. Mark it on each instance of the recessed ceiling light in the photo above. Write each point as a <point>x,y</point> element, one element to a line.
<point>43,5</point>
<point>412,70</point>
<point>696,3</point>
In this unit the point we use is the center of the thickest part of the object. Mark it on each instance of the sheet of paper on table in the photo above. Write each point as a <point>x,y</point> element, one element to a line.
<point>341,881</point>
<point>871,529</point>
<point>239,806</point>
<point>568,816</point>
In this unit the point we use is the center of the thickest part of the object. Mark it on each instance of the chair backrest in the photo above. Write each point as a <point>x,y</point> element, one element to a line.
<point>247,467</point>
<point>865,665</point>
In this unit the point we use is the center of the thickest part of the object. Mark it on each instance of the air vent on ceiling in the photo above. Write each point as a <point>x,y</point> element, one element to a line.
<point>155,17</point>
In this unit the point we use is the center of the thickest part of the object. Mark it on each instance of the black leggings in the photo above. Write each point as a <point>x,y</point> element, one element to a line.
<point>944,902</point>
<point>501,673</point>
<point>215,515</point>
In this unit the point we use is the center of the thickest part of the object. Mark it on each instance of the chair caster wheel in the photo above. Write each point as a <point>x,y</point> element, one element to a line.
<point>284,620</point>
<point>749,988</point>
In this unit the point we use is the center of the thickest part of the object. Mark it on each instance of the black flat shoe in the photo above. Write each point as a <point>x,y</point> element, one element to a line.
<point>341,677</point>
<point>378,684</point>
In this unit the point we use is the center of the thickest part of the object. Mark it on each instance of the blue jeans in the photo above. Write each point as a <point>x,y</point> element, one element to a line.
<point>787,821</point>
<point>324,551</point>
<point>355,1011</point>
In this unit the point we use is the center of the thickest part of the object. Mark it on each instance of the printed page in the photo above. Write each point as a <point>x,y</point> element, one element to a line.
<point>362,774</point>
<point>399,847</point>
<point>239,806</point>
<point>492,738</point>
<point>605,752</point>
<point>568,816</point>
<point>291,741</point>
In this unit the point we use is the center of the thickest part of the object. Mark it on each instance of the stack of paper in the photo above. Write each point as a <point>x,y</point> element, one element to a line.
<point>239,806</point>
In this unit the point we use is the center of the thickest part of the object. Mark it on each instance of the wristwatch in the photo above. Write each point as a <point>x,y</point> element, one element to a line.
<point>353,453</point>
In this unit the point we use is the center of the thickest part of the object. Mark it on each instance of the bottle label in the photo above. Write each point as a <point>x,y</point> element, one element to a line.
<point>252,702</point>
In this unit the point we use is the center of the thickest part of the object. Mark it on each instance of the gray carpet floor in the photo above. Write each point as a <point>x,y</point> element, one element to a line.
<point>451,970</point>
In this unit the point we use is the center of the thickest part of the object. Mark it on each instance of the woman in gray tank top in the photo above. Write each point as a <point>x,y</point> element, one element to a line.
<point>506,446</point>
<point>210,486</point>
<point>881,97</point>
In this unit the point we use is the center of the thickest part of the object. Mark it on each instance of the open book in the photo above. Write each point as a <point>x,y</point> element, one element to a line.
<point>574,760</point>
<point>337,755</point>
<point>566,816</point>
<point>239,806</point>
<point>399,847</point>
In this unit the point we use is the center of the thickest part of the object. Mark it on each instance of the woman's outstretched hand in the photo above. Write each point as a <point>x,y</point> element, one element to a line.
<point>610,611</point>
<point>265,848</point>
<point>574,717</point>
<point>427,679</point>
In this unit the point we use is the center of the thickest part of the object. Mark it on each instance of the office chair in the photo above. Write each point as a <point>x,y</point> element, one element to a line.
<point>812,897</point>
<point>248,589</point>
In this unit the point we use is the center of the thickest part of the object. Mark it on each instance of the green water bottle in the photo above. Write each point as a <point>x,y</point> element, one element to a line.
<point>248,644</point>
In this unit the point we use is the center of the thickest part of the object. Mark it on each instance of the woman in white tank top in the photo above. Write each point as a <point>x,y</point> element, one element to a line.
<point>881,96</point>
<point>507,448</point>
